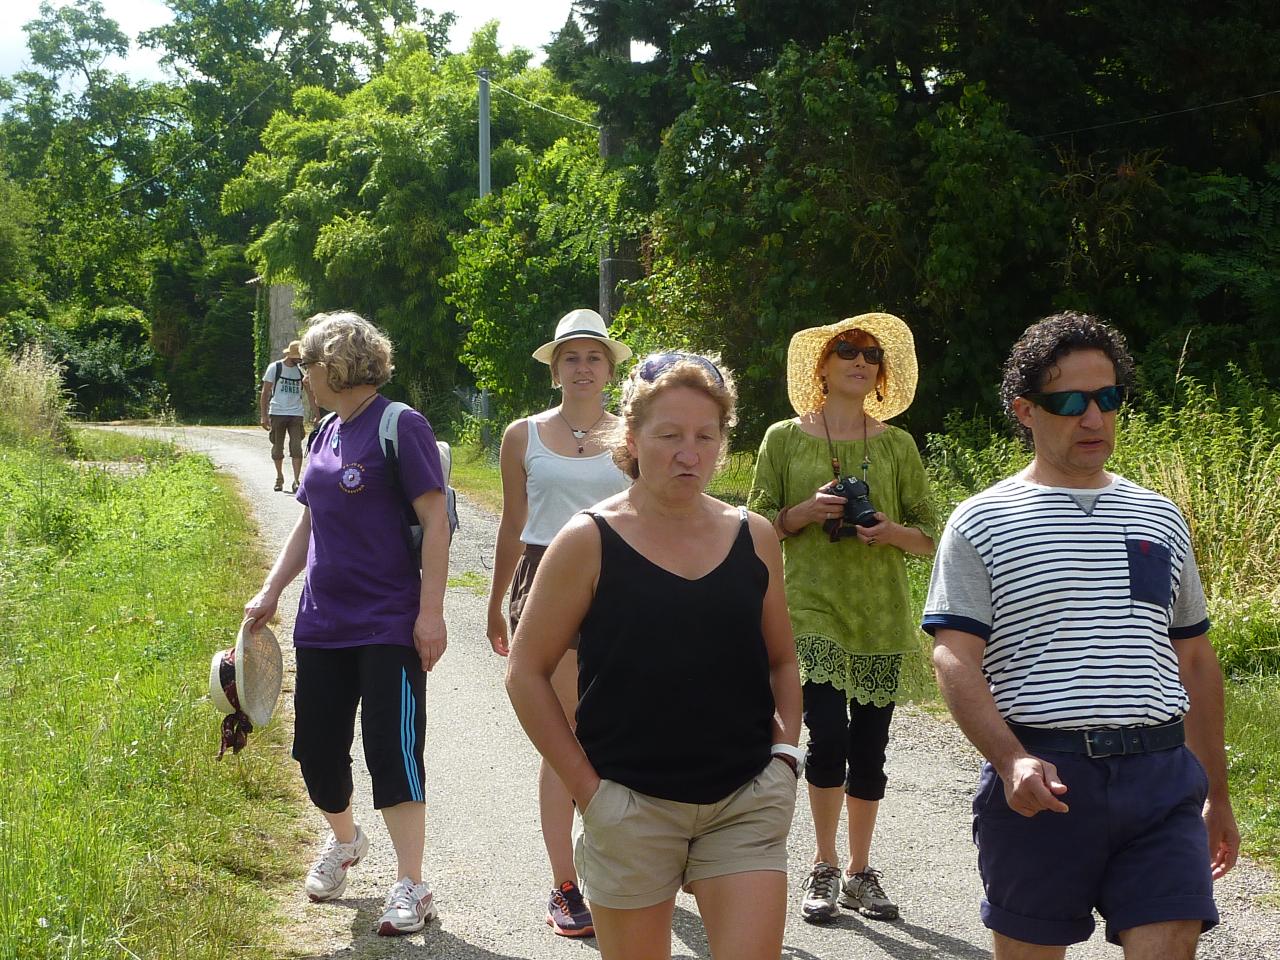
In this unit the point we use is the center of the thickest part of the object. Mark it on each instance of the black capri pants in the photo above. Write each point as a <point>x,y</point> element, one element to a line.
<point>846,744</point>
<point>388,684</point>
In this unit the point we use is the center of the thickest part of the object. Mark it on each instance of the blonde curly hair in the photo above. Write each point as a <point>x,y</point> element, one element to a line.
<point>354,352</point>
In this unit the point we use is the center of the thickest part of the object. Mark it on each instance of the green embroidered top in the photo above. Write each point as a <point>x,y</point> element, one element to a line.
<point>845,597</point>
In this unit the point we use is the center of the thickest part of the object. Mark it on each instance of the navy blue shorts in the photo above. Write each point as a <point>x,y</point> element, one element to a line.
<point>1133,846</point>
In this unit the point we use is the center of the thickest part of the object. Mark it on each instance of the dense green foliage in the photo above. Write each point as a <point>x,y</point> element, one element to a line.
<point>368,191</point>
<point>531,259</point>
<point>928,159</point>
<point>111,188</point>
<point>969,166</point>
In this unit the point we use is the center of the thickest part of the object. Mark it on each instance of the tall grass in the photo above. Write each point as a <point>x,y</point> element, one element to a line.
<point>35,404</point>
<point>119,834</point>
<point>1218,459</point>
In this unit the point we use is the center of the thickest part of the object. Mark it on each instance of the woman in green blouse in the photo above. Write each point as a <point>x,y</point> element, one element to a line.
<point>846,575</point>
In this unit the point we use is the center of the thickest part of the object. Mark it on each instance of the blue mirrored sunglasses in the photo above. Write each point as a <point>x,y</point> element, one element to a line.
<point>652,366</point>
<point>1072,403</point>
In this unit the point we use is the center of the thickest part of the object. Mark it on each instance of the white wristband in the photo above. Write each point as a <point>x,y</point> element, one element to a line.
<point>787,750</point>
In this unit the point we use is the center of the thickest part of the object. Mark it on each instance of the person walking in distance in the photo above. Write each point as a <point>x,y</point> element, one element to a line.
<point>1070,642</point>
<point>555,463</point>
<point>849,500</point>
<point>282,405</point>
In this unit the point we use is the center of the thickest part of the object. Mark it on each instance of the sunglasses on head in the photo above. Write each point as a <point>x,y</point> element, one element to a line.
<point>653,366</point>
<point>1072,403</point>
<point>848,351</point>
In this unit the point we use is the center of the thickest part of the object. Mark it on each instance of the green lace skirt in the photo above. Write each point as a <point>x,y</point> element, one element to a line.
<point>868,679</point>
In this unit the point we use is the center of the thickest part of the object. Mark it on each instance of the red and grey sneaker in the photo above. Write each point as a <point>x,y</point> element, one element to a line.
<point>328,875</point>
<point>567,913</point>
<point>410,907</point>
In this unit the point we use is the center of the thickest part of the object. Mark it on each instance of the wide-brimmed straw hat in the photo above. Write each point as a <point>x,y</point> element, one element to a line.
<point>244,683</point>
<point>806,353</point>
<point>579,324</point>
<point>293,351</point>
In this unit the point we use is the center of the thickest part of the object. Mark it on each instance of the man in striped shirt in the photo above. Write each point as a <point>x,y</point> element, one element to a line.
<point>1070,643</point>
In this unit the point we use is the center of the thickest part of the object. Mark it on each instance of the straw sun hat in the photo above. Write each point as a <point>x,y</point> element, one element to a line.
<point>582,324</point>
<point>806,353</point>
<point>293,351</point>
<point>244,683</point>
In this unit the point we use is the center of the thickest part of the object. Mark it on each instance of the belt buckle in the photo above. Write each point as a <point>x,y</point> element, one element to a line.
<point>1104,752</point>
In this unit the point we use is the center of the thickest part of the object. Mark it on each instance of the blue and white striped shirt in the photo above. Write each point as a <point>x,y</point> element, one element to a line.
<point>1079,595</point>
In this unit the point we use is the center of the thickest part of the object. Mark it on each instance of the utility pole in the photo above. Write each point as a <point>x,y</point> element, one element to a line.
<point>484,133</point>
<point>484,192</point>
<point>623,262</point>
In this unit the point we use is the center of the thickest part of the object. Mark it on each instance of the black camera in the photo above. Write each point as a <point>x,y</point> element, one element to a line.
<point>858,511</point>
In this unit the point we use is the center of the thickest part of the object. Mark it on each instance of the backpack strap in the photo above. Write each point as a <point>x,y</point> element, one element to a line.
<point>277,367</point>
<point>311,437</point>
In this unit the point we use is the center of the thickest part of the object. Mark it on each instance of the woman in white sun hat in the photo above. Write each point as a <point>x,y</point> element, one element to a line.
<point>554,464</point>
<point>846,575</point>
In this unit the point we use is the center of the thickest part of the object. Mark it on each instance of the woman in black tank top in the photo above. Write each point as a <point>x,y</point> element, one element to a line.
<point>684,760</point>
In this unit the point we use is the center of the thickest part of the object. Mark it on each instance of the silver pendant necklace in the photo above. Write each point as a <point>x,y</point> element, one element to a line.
<point>579,435</point>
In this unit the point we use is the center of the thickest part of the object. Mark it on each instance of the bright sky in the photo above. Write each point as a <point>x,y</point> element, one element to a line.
<point>524,23</point>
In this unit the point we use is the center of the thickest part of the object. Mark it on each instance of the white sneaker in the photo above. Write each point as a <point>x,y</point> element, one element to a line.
<point>408,909</point>
<point>328,875</point>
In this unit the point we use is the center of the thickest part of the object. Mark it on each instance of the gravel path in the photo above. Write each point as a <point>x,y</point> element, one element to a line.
<point>484,853</point>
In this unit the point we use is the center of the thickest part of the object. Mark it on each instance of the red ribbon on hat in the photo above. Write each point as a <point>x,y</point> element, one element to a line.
<point>236,727</point>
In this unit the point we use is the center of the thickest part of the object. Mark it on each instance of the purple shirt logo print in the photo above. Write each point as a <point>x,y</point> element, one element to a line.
<point>352,478</point>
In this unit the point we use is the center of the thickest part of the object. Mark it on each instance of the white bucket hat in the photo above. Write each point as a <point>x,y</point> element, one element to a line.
<point>579,324</point>
<point>244,683</point>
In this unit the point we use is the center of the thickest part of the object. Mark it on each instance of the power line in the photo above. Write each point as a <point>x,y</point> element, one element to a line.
<point>538,106</point>
<point>219,135</point>
<point>1157,116</point>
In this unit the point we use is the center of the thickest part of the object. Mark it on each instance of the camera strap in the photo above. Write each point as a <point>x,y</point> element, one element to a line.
<point>831,448</point>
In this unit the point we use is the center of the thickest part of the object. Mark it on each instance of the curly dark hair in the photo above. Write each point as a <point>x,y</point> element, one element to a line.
<point>1046,342</point>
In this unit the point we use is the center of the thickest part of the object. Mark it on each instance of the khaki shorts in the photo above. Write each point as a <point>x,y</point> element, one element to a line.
<point>282,427</point>
<point>633,850</point>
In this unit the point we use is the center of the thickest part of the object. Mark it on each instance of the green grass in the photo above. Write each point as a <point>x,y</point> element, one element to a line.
<point>88,443</point>
<point>475,473</point>
<point>1253,716</point>
<point>470,580</point>
<point>121,834</point>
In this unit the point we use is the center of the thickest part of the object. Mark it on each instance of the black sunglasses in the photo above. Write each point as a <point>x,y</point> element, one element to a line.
<point>652,366</point>
<point>303,364</point>
<point>1072,403</point>
<point>847,351</point>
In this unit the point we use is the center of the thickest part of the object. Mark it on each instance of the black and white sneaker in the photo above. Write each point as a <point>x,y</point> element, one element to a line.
<point>864,893</point>
<point>822,887</point>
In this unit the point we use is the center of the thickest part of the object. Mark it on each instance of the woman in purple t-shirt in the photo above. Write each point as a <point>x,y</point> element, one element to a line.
<point>369,625</point>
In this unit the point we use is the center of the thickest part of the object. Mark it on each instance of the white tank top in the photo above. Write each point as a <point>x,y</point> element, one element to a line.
<point>558,486</point>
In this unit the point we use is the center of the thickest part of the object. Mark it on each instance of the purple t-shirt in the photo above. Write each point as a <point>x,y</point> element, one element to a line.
<point>363,585</point>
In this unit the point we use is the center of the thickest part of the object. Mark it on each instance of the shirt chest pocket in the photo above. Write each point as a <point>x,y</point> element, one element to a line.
<point>1150,574</point>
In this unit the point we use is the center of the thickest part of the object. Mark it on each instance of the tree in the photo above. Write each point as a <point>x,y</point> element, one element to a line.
<point>530,258</point>
<point>368,190</point>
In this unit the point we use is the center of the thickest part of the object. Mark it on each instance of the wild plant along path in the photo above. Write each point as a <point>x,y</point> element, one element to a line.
<point>485,859</point>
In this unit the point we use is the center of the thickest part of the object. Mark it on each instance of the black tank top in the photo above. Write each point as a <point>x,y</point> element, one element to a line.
<point>673,674</point>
